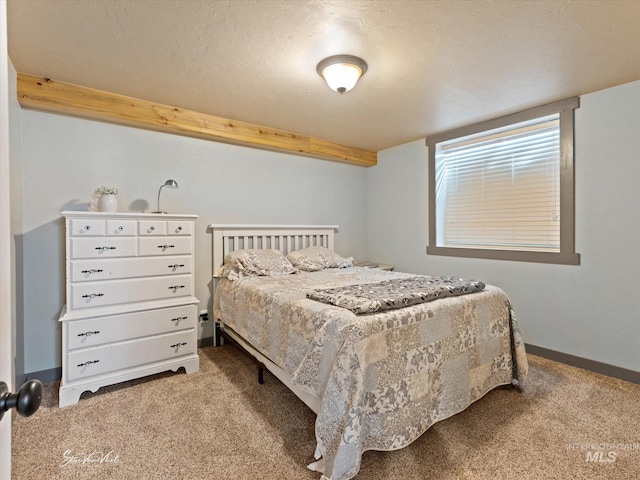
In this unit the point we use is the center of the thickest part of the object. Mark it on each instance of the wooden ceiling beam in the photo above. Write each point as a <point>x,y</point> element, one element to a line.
<point>52,96</point>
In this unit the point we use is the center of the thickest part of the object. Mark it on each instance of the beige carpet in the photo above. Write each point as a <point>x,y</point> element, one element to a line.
<point>220,423</point>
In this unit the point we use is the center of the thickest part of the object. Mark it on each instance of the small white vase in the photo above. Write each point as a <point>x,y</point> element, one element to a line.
<point>108,203</point>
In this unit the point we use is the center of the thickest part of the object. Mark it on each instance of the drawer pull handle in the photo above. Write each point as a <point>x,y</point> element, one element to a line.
<point>176,345</point>
<point>176,265</point>
<point>151,228</point>
<point>86,228</point>
<point>164,247</point>
<point>105,248</point>
<point>93,270</point>
<point>178,319</point>
<point>178,230</point>
<point>88,334</point>
<point>93,295</point>
<point>88,362</point>
<point>120,228</point>
<point>176,287</point>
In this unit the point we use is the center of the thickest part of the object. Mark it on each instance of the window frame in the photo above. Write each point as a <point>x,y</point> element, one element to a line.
<point>566,255</point>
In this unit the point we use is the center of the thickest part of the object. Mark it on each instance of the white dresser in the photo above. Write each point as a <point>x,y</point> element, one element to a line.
<point>131,309</point>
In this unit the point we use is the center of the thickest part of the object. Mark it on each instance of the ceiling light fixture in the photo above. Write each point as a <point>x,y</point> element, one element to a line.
<point>341,72</point>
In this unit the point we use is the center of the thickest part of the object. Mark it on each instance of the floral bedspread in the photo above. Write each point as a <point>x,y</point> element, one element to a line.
<point>383,378</point>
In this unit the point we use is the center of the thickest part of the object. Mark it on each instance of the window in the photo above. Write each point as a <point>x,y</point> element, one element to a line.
<point>504,188</point>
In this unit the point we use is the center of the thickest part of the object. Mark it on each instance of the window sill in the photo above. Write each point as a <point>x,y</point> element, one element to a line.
<point>513,255</point>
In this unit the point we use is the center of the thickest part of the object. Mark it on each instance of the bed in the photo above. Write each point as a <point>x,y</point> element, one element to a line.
<point>376,380</point>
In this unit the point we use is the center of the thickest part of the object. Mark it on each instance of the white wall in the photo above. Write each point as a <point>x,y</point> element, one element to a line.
<point>592,310</point>
<point>65,159</point>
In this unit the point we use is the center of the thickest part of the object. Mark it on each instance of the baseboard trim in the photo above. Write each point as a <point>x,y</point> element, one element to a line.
<point>585,363</point>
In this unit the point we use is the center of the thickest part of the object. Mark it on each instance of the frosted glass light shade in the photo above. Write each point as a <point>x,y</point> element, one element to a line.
<point>342,72</point>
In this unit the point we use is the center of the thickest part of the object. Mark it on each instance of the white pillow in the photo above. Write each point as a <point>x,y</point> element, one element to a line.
<point>255,262</point>
<point>312,259</point>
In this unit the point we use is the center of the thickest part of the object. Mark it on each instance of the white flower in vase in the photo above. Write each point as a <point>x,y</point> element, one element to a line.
<point>108,202</point>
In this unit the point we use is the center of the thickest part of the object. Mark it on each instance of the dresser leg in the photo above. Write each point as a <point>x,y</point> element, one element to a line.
<point>68,396</point>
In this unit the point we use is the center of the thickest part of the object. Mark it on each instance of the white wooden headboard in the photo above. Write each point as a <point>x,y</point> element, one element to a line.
<point>286,238</point>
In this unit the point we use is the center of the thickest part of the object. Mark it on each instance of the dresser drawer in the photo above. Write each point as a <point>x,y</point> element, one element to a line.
<point>108,358</point>
<point>128,326</point>
<point>179,228</point>
<point>86,227</point>
<point>121,228</point>
<point>98,294</point>
<point>111,268</point>
<point>164,246</point>
<point>104,247</point>
<point>152,227</point>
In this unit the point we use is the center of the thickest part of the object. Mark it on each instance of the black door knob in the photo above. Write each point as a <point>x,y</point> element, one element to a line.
<point>26,401</point>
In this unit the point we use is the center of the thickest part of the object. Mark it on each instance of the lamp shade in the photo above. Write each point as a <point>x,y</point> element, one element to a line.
<point>341,72</point>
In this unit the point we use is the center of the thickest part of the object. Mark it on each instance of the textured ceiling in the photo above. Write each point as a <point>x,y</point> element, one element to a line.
<point>433,65</point>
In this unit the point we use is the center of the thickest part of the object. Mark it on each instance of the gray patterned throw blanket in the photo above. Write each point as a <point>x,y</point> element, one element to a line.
<point>396,293</point>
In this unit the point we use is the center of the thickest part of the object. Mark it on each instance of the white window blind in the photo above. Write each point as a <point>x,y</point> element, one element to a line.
<point>500,189</point>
